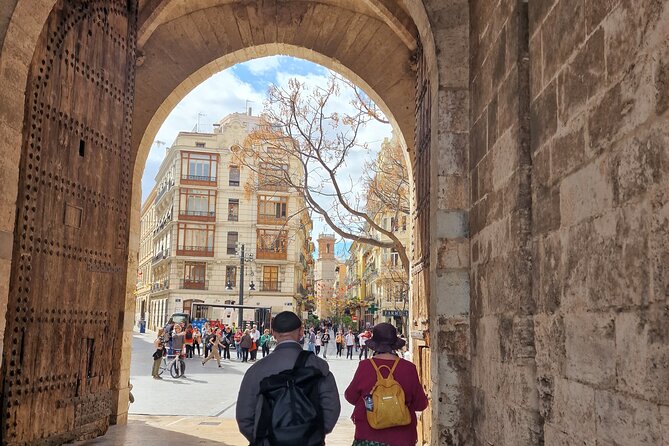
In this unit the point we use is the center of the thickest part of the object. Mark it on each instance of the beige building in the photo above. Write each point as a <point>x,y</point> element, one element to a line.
<point>207,206</point>
<point>324,274</point>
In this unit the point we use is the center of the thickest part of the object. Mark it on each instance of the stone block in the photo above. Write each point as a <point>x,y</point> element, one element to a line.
<point>550,272</point>
<point>454,110</point>
<point>453,289</point>
<point>585,193</point>
<point>453,56</point>
<point>452,224</point>
<point>478,145</point>
<point>543,117</point>
<point>622,419</point>
<point>453,192</point>
<point>541,166</point>
<point>493,131</point>
<point>452,152</point>
<point>574,408</point>
<point>595,12</point>
<point>567,151</point>
<point>546,215</point>
<point>642,355</point>
<point>640,163</point>
<point>555,436</point>
<point>590,348</point>
<point>504,158</point>
<point>452,254</point>
<point>582,78</point>
<point>508,107</point>
<point>566,20</point>
<point>659,253</point>
<point>523,337</point>
<point>537,12</point>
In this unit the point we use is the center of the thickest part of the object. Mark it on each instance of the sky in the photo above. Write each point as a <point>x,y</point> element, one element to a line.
<point>245,85</point>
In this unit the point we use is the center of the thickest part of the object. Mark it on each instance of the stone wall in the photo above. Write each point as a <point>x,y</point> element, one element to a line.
<point>569,165</point>
<point>600,233</point>
<point>502,337</point>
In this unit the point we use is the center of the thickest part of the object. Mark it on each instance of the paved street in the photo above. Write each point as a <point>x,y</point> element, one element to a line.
<point>203,402</point>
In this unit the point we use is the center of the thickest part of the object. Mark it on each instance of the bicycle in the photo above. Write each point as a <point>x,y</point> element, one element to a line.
<point>174,363</point>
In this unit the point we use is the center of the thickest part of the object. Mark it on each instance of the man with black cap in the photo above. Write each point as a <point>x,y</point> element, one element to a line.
<point>287,330</point>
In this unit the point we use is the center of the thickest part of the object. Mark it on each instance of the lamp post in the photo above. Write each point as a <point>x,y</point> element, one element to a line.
<point>243,259</point>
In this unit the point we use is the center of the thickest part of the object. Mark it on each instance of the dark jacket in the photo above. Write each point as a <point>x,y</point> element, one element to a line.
<point>283,358</point>
<point>246,341</point>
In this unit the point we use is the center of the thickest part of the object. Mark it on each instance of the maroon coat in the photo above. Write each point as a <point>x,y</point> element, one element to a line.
<point>363,381</point>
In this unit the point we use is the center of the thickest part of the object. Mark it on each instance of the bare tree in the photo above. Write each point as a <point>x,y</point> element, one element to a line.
<point>304,145</point>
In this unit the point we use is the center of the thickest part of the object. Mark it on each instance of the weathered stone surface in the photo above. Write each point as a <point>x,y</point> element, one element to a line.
<point>566,20</point>
<point>590,348</point>
<point>586,193</point>
<point>627,420</point>
<point>543,117</point>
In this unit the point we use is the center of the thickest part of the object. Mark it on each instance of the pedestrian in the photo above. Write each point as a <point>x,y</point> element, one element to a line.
<point>245,343</point>
<point>255,338</point>
<point>188,341</point>
<point>206,343</point>
<point>214,352</point>
<point>364,336</point>
<point>325,340</point>
<point>159,344</point>
<point>264,342</point>
<point>385,362</point>
<point>238,344</point>
<point>197,340</point>
<point>350,342</point>
<point>287,329</point>
<point>226,341</point>
<point>318,342</point>
<point>178,339</point>
<point>311,340</point>
<point>339,341</point>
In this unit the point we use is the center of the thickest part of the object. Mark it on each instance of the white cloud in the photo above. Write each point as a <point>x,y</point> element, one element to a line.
<point>263,64</point>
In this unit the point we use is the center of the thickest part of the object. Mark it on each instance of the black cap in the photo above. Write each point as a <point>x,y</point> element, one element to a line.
<point>285,322</point>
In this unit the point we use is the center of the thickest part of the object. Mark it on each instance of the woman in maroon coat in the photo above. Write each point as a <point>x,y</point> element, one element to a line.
<point>385,343</point>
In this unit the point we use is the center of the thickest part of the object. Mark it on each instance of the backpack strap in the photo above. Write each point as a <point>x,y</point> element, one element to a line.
<point>378,368</point>
<point>302,359</point>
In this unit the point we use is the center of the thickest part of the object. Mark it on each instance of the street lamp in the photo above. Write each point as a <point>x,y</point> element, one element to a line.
<point>243,259</point>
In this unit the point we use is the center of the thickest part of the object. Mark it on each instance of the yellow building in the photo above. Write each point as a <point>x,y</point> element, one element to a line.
<point>207,206</point>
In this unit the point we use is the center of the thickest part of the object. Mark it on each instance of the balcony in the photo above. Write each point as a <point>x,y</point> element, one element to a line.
<point>160,286</point>
<point>268,254</point>
<point>270,285</point>
<point>193,284</point>
<point>198,180</point>
<point>163,190</point>
<point>197,251</point>
<point>271,219</point>
<point>370,272</point>
<point>197,215</point>
<point>160,255</point>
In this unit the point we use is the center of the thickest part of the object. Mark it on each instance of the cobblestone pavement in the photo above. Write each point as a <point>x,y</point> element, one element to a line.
<point>199,408</point>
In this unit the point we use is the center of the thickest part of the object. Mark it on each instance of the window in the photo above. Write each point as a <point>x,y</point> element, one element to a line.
<point>232,242</point>
<point>394,257</point>
<point>234,176</point>
<point>197,204</point>
<point>272,210</point>
<point>197,240</point>
<point>270,279</point>
<point>199,144</point>
<point>198,168</point>
<point>327,248</point>
<point>272,244</point>
<point>273,176</point>
<point>195,275</point>
<point>231,276</point>
<point>233,209</point>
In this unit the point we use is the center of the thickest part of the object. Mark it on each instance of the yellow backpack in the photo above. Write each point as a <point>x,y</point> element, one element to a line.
<point>388,406</point>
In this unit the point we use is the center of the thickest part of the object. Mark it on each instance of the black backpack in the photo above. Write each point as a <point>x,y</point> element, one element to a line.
<point>291,411</point>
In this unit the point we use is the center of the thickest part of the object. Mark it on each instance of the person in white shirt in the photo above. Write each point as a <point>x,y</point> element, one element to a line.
<point>350,342</point>
<point>363,343</point>
<point>255,337</point>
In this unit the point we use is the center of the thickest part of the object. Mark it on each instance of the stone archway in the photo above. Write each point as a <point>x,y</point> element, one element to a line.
<point>377,51</point>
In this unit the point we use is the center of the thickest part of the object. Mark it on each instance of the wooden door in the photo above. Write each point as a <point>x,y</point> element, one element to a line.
<point>68,280</point>
<point>420,269</point>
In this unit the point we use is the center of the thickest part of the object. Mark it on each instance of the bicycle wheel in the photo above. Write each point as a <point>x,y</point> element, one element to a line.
<point>182,363</point>
<point>163,366</point>
<point>174,369</point>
